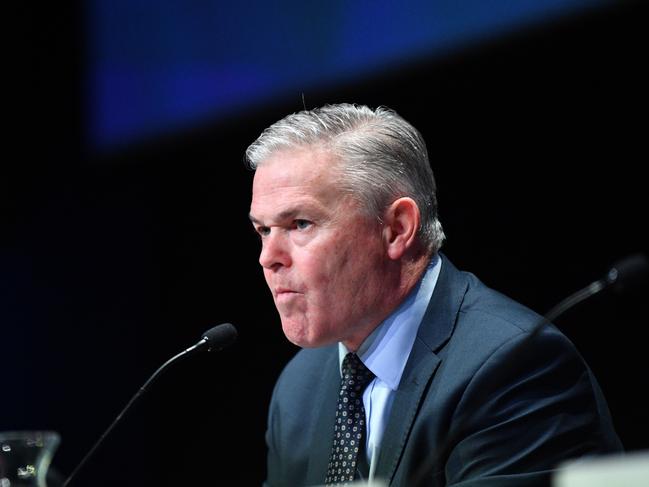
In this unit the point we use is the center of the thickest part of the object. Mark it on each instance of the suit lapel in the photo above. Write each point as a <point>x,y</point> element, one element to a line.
<point>324,416</point>
<point>435,330</point>
<point>421,366</point>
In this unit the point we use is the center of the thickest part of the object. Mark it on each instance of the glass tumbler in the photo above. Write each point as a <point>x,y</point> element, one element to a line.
<point>25,457</point>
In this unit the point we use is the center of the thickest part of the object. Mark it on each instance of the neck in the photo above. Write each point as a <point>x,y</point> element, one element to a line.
<point>404,277</point>
<point>411,272</point>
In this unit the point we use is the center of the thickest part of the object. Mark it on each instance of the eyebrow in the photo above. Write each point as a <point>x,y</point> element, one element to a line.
<point>284,215</point>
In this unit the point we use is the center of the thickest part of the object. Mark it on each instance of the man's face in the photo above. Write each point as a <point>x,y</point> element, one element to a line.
<point>323,259</point>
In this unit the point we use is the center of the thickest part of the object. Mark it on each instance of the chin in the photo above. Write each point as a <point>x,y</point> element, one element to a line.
<point>298,333</point>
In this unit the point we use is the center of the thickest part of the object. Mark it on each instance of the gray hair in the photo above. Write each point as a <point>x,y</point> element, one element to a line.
<point>382,157</point>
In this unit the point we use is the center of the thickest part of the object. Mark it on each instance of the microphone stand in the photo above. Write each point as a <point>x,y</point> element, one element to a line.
<point>217,338</point>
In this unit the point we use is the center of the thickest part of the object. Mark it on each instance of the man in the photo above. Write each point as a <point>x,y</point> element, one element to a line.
<point>344,202</point>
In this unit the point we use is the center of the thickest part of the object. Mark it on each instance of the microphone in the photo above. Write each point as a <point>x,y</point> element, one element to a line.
<point>216,338</point>
<point>623,275</point>
<point>628,273</point>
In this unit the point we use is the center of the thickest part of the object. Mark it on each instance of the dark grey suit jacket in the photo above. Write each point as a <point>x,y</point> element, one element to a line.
<point>506,430</point>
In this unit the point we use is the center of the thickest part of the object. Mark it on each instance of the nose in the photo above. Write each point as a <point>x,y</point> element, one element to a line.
<point>274,251</point>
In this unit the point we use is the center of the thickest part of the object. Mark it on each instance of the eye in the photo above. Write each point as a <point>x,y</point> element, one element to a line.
<point>302,224</point>
<point>263,231</point>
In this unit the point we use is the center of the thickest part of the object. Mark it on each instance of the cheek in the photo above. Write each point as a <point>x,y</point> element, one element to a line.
<point>336,271</point>
<point>318,275</point>
<point>341,274</point>
<point>320,272</point>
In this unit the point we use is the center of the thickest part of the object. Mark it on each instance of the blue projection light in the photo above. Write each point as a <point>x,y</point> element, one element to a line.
<point>159,66</point>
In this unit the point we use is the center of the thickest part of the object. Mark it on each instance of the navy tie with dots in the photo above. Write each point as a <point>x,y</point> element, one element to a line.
<point>349,428</point>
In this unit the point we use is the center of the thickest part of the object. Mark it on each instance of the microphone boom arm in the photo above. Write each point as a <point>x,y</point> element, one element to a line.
<point>216,338</point>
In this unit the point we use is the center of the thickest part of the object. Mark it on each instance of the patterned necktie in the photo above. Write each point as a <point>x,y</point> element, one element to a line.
<point>349,428</point>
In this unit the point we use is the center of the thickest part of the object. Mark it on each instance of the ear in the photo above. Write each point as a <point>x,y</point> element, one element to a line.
<point>401,222</point>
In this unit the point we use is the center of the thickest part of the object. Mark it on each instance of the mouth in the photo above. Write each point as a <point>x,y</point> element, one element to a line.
<point>280,290</point>
<point>285,293</point>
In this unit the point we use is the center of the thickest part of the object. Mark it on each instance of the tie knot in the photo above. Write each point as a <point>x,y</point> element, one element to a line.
<point>355,374</point>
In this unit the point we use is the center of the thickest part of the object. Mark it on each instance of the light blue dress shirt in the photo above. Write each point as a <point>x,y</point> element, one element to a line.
<point>386,351</point>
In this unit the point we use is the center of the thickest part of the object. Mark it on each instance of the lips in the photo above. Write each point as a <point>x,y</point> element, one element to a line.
<point>282,290</point>
<point>284,294</point>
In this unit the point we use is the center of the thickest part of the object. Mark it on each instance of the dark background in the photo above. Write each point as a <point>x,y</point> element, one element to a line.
<point>114,261</point>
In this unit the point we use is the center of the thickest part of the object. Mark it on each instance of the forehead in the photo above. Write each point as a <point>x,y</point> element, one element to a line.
<point>295,178</point>
<point>298,166</point>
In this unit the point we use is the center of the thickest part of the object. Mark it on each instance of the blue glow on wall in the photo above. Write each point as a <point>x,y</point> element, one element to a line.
<point>158,66</point>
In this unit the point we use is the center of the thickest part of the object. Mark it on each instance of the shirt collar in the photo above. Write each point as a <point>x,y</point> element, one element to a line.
<point>386,350</point>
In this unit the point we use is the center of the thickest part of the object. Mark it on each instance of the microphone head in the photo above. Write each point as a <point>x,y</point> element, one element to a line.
<point>628,272</point>
<point>220,336</point>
